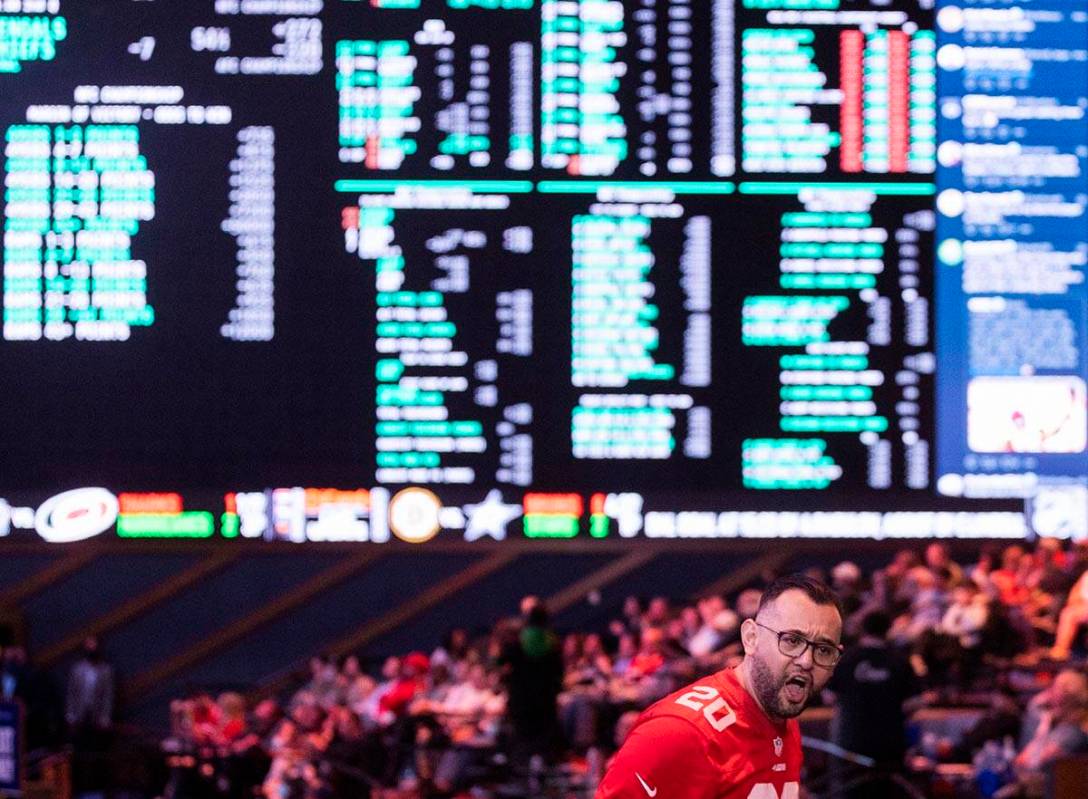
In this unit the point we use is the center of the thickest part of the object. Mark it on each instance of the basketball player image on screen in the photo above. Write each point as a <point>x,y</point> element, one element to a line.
<point>734,734</point>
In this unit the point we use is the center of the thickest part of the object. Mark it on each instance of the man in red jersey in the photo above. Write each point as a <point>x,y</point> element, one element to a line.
<point>734,734</point>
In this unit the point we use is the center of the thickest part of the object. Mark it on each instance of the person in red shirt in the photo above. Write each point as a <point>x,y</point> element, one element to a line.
<point>734,734</point>
<point>413,680</point>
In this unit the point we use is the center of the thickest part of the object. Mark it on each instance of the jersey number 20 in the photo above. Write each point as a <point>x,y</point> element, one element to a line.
<point>765,790</point>
<point>715,710</point>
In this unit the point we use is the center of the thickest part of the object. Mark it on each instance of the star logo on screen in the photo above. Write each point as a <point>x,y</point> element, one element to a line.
<point>489,517</point>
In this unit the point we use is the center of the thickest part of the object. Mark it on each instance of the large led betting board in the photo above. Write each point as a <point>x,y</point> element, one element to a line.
<point>497,269</point>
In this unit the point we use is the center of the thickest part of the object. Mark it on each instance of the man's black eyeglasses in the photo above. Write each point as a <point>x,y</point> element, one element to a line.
<point>793,645</point>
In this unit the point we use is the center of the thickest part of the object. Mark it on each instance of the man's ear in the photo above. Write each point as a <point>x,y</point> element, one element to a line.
<point>748,633</point>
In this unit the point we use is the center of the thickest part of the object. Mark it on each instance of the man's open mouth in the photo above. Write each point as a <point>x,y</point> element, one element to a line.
<point>796,689</point>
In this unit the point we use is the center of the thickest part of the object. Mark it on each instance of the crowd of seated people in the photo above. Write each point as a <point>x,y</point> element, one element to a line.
<point>480,709</point>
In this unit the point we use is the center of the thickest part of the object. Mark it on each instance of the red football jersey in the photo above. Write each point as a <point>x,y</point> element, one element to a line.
<point>710,740</point>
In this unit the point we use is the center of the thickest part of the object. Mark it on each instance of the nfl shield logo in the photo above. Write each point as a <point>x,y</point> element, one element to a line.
<point>778,747</point>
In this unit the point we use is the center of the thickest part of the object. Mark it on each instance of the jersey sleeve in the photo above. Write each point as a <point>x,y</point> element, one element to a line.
<point>663,758</point>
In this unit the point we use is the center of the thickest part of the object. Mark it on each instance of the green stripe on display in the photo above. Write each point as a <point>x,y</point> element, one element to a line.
<point>477,186</point>
<point>901,189</point>
<point>709,187</point>
<point>675,186</point>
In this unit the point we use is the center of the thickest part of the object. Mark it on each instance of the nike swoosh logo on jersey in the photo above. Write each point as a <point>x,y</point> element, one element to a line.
<point>651,792</point>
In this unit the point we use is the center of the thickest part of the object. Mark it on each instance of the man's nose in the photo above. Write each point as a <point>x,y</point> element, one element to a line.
<point>806,658</point>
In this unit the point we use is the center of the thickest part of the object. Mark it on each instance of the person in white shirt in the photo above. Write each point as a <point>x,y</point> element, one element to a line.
<point>966,617</point>
<point>1072,617</point>
<point>470,714</point>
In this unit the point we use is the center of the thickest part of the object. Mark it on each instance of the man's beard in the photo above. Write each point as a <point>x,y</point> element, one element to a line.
<point>768,690</point>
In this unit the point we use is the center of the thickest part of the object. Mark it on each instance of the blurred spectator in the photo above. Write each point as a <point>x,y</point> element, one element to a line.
<point>358,686</point>
<point>266,715</point>
<point>1072,617</point>
<point>632,614</point>
<point>412,681</point>
<point>966,616</point>
<point>952,648</point>
<point>292,774</point>
<point>527,603</point>
<point>470,717</point>
<point>89,706</point>
<point>946,570</point>
<point>232,717</point>
<point>534,678</point>
<point>19,680</point>
<point>88,710</point>
<point>871,684</point>
<point>628,648</point>
<point>1055,567</point>
<point>683,627</point>
<point>650,656</point>
<point>454,648</point>
<point>999,722</point>
<point>1010,590</point>
<point>903,563</point>
<point>921,589</point>
<point>748,603</point>
<point>250,748</point>
<point>585,691</point>
<point>390,674</point>
<point>718,627</point>
<point>1059,733</point>
<point>846,580</point>
<point>657,613</point>
<point>323,680</point>
<point>345,755</point>
<point>981,571</point>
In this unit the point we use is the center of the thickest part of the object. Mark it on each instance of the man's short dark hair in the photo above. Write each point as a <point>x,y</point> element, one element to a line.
<point>815,590</point>
<point>538,617</point>
<point>876,623</point>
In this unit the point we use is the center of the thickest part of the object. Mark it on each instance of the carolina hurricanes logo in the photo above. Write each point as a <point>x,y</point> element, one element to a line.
<point>76,515</point>
<point>778,747</point>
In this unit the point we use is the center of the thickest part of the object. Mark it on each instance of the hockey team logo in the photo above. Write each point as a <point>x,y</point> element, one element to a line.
<point>76,515</point>
<point>414,515</point>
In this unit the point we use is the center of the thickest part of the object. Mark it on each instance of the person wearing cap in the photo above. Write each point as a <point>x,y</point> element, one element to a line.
<point>413,680</point>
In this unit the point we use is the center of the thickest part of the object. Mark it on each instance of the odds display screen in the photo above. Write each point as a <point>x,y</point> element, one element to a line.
<point>493,269</point>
